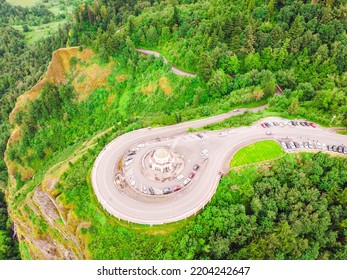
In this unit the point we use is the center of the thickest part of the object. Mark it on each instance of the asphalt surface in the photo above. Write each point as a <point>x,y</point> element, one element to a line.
<point>180,205</point>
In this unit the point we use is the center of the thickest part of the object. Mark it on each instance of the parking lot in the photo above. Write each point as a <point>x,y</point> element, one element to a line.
<point>300,143</point>
<point>187,146</point>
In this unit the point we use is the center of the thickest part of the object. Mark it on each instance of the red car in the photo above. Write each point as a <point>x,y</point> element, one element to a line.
<point>263,125</point>
<point>191,175</point>
<point>312,124</point>
<point>177,188</point>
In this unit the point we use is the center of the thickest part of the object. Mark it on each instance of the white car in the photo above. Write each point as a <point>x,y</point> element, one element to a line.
<point>300,145</point>
<point>141,145</point>
<point>179,177</point>
<point>283,144</point>
<point>292,146</point>
<point>268,133</point>
<point>324,147</point>
<point>318,145</point>
<point>310,145</point>
<point>203,152</point>
<point>128,162</point>
<point>222,134</point>
<point>186,181</point>
<point>144,189</point>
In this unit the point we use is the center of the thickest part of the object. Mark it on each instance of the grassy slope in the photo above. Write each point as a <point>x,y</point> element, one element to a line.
<point>24,3</point>
<point>257,152</point>
<point>38,32</point>
<point>343,132</point>
<point>57,7</point>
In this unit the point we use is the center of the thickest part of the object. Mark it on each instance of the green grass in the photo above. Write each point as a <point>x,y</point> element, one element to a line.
<point>343,132</point>
<point>38,32</point>
<point>24,3</point>
<point>260,151</point>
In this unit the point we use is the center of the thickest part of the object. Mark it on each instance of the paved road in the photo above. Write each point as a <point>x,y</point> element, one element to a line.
<point>204,186</point>
<point>173,69</point>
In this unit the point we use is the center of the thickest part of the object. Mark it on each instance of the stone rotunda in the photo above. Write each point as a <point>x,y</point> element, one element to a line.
<point>162,160</point>
<point>162,164</point>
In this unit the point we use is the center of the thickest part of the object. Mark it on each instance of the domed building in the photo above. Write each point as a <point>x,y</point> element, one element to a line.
<point>162,160</point>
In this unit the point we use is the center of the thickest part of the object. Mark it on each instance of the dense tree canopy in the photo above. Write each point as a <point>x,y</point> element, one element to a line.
<point>293,209</point>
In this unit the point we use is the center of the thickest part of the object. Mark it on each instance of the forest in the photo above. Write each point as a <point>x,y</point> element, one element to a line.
<point>292,208</point>
<point>299,46</point>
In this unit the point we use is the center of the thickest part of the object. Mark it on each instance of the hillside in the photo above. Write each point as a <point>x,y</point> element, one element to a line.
<point>100,87</point>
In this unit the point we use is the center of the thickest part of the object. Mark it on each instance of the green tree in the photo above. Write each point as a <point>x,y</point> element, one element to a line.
<point>249,39</point>
<point>219,83</point>
<point>294,106</point>
<point>152,36</point>
<point>206,66</point>
<point>268,82</point>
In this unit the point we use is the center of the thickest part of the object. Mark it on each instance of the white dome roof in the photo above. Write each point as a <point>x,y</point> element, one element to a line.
<point>161,153</point>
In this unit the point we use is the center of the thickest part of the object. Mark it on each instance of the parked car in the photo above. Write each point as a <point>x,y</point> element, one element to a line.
<point>200,135</point>
<point>144,189</point>
<point>340,149</point>
<point>191,175</point>
<point>268,133</point>
<point>203,152</point>
<point>306,145</point>
<point>324,147</point>
<point>306,124</point>
<point>151,191</point>
<point>167,190</point>
<point>345,150</point>
<point>177,188</point>
<point>291,144</point>
<point>334,148</point>
<point>222,134</point>
<point>264,125</point>
<point>302,123</point>
<point>196,167</point>
<point>330,148</point>
<point>301,145</point>
<point>284,146</point>
<point>318,145</point>
<point>296,145</point>
<point>127,163</point>
<point>310,145</point>
<point>186,181</point>
<point>267,124</point>
<point>128,158</point>
<point>312,124</point>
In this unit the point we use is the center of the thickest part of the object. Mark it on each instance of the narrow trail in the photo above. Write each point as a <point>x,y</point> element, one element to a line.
<point>174,68</point>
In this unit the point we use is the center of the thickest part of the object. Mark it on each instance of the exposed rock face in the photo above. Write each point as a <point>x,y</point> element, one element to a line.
<point>46,227</point>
